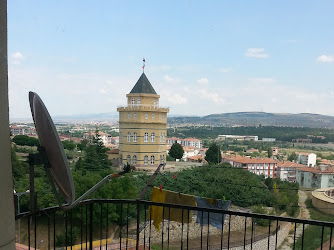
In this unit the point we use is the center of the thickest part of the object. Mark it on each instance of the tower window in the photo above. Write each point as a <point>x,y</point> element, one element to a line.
<point>146,116</point>
<point>146,137</point>
<point>153,116</point>
<point>145,160</point>
<point>134,137</point>
<point>129,137</point>
<point>152,159</point>
<point>152,137</point>
<point>154,103</point>
<point>134,160</point>
<point>132,102</point>
<point>138,101</point>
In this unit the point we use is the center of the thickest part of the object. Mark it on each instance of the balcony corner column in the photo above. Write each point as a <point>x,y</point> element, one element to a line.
<point>7,209</point>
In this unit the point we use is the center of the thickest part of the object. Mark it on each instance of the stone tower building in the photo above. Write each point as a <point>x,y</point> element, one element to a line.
<point>142,127</point>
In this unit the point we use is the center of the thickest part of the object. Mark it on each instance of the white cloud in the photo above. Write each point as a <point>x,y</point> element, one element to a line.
<point>177,99</point>
<point>211,96</point>
<point>256,53</point>
<point>169,79</point>
<point>103,91</point>
<point>261,80</point>
<point>325,59</point>
<point>16,57</point>
<point>203,81</point>
<point>225,70</point>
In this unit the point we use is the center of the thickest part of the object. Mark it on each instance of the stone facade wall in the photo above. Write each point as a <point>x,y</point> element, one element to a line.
<point>175,229</point>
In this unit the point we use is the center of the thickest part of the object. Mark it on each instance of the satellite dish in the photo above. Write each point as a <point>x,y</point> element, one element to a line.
<point>54,157</point>
<point>49,139</point>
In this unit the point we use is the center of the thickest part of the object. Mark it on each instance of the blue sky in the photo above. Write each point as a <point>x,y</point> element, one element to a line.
<point>202,57</point>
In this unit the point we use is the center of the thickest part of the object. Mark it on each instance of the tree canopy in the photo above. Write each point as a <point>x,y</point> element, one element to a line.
<point>213,154</point>
<point>24,140</point>
<point>176,151</point>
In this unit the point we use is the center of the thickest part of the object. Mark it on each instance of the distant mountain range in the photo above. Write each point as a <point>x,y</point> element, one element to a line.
<point>256,118</point>
<point>225,119</point>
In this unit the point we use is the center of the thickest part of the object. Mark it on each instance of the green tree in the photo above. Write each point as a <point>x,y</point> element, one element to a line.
<point>69,145</point>
<point>293,157</point>
<point>176,151</point>
<point>24,140</point>
<point>81,146</point>
<point>213,154</point>
<point>18,168</point>
<point>270,152</point>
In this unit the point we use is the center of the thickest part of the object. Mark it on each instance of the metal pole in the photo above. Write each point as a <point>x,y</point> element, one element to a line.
<point>18,212</point>
<point>32,186</point>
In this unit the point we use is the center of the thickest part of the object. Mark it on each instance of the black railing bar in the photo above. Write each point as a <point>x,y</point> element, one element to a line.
<point>182,230</point>
<point>330,238</point>
<point>107,224</point>
<point>212,210</point>
<point>294,237</point>
<point>322,237</point>
<point>188,229</point>
<point>101,226</point>
<point>269,234</point>
<point>276,234</point>
<point>303,236</point>
<point>244,232</point>
<point>56,208</point>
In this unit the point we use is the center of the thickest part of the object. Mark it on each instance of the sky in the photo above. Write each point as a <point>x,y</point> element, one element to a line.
<point>202,57</point>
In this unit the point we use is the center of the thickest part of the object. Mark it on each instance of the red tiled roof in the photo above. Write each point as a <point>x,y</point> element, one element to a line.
<point>113,151</point>
<point>247,160</point>
<point>289,164</point>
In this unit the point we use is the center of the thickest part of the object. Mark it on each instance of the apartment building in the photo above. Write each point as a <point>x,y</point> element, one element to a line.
<point>259,166</point>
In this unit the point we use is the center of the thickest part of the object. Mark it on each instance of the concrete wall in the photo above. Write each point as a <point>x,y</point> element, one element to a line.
<point>323,202</point>
<point>7,219</point>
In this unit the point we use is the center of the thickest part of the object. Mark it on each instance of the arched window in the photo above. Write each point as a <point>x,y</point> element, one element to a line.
<point>152,137</point>
<point>146,137</point>
<point>145,160</point>
<point>128,159</point>
<point>152,159</point>
<point>134,137</point>
<point>134,160</point>
<point>146,116</point>
<point>129,137</point>
<point>153,116</point>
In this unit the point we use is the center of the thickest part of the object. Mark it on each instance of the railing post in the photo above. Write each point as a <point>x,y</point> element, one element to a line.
<point>138,222</point>
<point>91,226</point>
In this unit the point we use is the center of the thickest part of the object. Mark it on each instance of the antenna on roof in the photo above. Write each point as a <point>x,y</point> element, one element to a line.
<point>52,156</point>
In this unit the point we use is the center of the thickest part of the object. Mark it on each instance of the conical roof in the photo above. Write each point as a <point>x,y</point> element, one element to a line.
<point>143,86</point>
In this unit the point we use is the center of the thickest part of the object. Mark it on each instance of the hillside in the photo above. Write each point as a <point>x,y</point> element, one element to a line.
<point>256,118</point>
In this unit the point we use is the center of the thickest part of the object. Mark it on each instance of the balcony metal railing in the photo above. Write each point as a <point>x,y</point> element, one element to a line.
<point>142,107</point>
<point>89,225</point>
